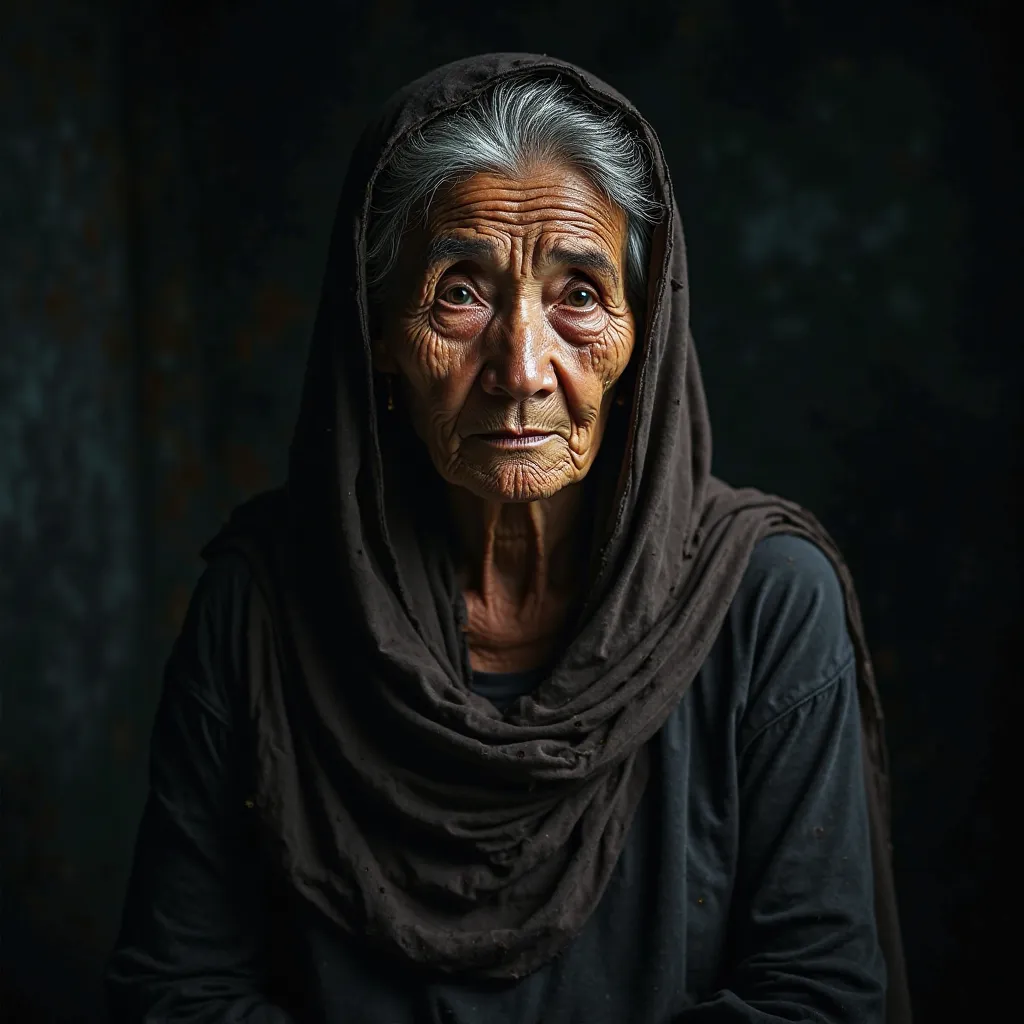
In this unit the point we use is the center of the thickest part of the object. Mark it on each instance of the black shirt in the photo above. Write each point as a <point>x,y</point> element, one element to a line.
<point>502,689</point>
<point>743,894</point>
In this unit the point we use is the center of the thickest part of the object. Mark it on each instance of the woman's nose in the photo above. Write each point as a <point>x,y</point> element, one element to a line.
<point>519,362</point>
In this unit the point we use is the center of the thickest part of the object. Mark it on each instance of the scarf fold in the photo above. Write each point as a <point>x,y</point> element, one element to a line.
<point>407,809</point>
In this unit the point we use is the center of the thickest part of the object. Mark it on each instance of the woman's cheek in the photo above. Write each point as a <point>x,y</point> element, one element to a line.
<point>602,363</point>
<point>429,355</point>
<point>611,354</point>
<point>607,339</point>
<point>583,395</point>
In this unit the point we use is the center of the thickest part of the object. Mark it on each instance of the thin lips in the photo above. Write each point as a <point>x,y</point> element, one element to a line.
<point>516,433</point>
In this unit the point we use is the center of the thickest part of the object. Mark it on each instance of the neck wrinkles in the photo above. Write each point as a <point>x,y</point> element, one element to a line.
<point>516,574</point>
<point>516,546</point>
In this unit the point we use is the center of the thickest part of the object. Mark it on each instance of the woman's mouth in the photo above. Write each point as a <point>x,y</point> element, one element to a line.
<point>512,440</point>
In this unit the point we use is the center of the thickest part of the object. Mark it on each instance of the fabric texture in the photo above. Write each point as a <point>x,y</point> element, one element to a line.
<point>404,808</point>
<point>701,920</point>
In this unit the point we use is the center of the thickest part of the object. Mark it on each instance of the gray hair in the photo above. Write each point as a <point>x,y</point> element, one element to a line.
<point>506,131</point>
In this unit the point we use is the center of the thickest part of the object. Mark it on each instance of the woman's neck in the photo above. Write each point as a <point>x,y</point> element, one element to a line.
<point>517,575</point>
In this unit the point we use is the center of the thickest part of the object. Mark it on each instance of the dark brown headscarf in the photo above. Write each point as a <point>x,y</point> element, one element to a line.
<point>408,810</point>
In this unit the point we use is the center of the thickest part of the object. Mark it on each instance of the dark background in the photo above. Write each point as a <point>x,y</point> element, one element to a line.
<point>850,180</point>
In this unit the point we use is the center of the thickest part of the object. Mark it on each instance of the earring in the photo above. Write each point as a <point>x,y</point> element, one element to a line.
<point>391,394</point>
<point>620,400</point>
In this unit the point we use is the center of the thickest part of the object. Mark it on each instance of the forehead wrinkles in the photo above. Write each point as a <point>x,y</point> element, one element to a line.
<point>535,213</point>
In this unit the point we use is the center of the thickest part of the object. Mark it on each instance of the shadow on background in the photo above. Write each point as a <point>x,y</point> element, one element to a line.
<point>850,187</point>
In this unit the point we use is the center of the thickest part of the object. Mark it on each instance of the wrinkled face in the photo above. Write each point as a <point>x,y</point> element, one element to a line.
<point>507,329</point>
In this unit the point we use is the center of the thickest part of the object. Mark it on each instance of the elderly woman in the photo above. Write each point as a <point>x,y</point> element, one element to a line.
<point>504,708</point>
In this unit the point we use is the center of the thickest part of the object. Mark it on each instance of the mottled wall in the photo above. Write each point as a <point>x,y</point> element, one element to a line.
<point>167,188</point>
<point>70,580</point>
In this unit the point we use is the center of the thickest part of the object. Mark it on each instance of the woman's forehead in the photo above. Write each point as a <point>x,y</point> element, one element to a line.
<point>546,193</point>
<point>488,216</point>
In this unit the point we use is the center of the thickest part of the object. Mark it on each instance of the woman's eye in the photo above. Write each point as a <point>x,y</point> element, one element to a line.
<point>458,295</point>
<point>581,298</point>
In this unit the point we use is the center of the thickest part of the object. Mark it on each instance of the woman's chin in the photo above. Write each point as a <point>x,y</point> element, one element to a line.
<point>513,480</point>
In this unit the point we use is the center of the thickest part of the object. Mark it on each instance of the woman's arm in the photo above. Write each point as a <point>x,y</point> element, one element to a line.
<point>193,934</point>
<point>804,945</point>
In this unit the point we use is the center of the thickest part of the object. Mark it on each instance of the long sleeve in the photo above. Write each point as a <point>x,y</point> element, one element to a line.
<point>803,938</point>
<point>192,940</point>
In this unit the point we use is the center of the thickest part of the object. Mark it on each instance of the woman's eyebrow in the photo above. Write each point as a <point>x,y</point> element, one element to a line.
<point>585,259</point>
<point>446,248</point>
<point>443,248</point>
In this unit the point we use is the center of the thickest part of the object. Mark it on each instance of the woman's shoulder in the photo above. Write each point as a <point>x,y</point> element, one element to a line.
<point>792,563</point>
<point>217,607</point>
<point>787,628</point>
<point>207,659</point>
